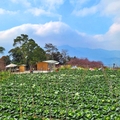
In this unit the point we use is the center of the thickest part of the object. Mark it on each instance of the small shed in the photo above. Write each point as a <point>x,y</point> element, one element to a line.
<point>42,66</point>
<point>22,68</point>
<point>47,65</point>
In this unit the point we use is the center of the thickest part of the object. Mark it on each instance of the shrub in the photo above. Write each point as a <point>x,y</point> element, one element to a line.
<point>4,75</point>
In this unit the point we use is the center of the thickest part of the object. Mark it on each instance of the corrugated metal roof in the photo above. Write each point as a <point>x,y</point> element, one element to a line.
<point>51,61</point>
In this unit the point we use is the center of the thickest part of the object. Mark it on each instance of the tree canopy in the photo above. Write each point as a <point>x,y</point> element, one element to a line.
<point>53,53</point>
<point>26,51</point>
<point>85,63</point>
<point>50,50</point>
<point>2,49</point>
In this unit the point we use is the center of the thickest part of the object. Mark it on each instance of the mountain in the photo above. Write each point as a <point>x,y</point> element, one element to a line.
<point>107,57</point>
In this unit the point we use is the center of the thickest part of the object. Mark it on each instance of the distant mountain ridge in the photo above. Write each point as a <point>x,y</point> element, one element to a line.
<point>107,57</point>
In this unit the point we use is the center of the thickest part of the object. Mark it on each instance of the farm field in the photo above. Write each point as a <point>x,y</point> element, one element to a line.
<point>63,95</point>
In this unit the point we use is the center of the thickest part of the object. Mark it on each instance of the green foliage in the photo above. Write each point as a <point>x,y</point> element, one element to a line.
<point>4,75</point>
<point>50,50</point>
<point>26,51</point>
<point>64,95</point>
<point>53,53</point>
<point>17,56</point>
<point>2,49</point>
<point>65,67</point>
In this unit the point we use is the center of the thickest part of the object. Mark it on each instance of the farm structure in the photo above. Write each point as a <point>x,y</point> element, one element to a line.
<point>22,68</point>
<point>12,67</point>
<point>15,68</point>
<point>48,65</point>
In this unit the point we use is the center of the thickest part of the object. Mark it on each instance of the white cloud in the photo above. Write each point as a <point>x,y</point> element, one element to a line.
<point>114,29</point>
<point>110,40</point>
<point>57,33</point>
<point>78,3</point>
<point>45,7</point>
<point>81,8</point>
<point>52,28</point>
<point>48,5</point>
<point>110,7</point>
<point>14,32</point>
<point>60,33</point>
<point>105,7</point>
<point>22,2</point>
<point>14,1</point>
<point>3,11</point>
<point>85,11</point>
<point>37,11</point>
<point>52,4</point>
<point>41,12</point>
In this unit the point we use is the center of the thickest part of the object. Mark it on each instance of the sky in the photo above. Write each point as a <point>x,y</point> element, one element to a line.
<point>77,23</point>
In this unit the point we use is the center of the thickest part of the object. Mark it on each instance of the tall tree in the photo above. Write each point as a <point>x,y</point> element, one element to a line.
<point>65,57</point>
<point>53,53</point>
<point>2,49</point>
<point>17,55</point>
<point>27,51</point>
<point>62,56</point>
<point>50,50</point>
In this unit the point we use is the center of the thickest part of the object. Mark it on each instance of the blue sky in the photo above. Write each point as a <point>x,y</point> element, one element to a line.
<point>77,23</point>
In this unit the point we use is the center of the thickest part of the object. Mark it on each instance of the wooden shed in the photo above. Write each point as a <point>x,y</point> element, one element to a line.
<point>46,65</point>
<point>42,66</point>
<point>22,68</point>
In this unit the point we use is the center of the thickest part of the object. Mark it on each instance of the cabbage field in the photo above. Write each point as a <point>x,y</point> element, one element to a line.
<point>63,95</point>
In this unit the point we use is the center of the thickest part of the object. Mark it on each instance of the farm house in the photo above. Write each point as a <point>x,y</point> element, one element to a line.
<point>47,65</point>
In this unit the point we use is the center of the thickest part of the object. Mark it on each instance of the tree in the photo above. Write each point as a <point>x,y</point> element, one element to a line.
<point>57,56</point>
<point>65,57</point>
<point>53,53</point>
<point>85,63</point>
<point>51,50</point>
<point>2,49</point>
<point>17,55</point>
<point>6,59</point>
<point>26,51</point>
<point>33,53</point>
